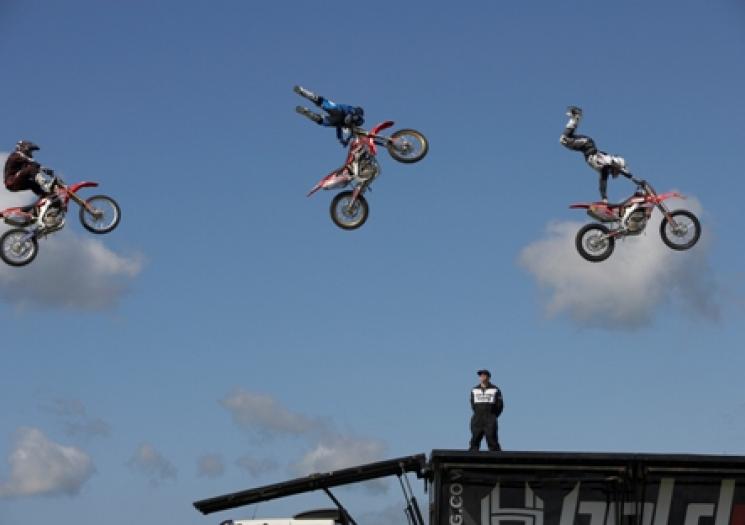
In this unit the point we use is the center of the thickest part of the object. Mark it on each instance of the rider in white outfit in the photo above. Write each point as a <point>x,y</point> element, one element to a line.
<point>605,164</point>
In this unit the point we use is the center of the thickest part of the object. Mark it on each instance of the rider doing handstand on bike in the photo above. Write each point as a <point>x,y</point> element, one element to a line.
<point>343,117</point>
<point>22,173</point>
<point>605,164</point>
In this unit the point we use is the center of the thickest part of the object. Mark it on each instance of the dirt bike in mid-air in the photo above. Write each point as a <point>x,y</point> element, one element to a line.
<point>19,245</point>
<point>679,229</point>
<point>349,209</point>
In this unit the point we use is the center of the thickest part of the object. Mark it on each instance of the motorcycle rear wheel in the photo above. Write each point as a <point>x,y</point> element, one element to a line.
<point>110,216</point>
<point>408,146</point>
<point>590,244</point>
<point>688,227</point>
<point>14,252</point>
<point>345,217</point>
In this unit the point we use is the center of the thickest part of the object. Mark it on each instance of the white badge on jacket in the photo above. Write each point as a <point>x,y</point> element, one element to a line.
<point>485,396</point>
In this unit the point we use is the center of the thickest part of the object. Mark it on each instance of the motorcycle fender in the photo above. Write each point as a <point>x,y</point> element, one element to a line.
<point>15,220</point>
<point>330,181</point>
<point>16,217</point>
<point>73,188</point>
<point>670,195</point>
<point>380,127</point>
<point>336,182</point>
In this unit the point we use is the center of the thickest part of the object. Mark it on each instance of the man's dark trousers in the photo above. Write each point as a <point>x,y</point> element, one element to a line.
<point>484,425</point>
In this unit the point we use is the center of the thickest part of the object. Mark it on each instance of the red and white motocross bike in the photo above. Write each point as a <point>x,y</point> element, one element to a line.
<point>679,229</point>
<point>349,209</point>
<point>19,246</point>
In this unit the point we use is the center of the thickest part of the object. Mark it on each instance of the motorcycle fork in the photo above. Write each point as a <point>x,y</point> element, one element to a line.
<point>30,234</point>
<point>83,203</point>
<point>355,195</point>
<point>615,234</point>
<point>667,214</point>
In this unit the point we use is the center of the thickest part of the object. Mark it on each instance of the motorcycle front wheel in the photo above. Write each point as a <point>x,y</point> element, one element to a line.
<point>101,215</point>
<point>684,233</point>
<point>346,215</point>
<point>16,251</point>
<point>593,244</point>
<point>408,146</point>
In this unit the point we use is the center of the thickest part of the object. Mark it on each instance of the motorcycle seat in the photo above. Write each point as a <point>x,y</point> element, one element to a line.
<point>27,209</point>
<point>611,204</point>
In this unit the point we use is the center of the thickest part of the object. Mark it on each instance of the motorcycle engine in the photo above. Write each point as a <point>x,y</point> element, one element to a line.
<point>54,219</point>
<point>636,221</point>
<point>368,168</point>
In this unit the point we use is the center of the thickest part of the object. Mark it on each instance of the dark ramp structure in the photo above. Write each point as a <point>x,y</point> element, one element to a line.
<point>545,488</point>
<point>393,467</point>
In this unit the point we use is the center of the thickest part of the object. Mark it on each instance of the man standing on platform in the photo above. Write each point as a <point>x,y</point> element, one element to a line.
<point>487,405</point>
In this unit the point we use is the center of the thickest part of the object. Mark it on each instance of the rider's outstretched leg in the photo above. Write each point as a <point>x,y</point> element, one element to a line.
<point>603,187</point>
<point>315,117</point>
<point>307,93</point>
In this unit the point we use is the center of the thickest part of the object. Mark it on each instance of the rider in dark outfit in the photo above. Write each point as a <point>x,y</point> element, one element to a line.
<point>22,172</point>
<point>487,405</point>
<point>605,164</point>
<point>340,116</point>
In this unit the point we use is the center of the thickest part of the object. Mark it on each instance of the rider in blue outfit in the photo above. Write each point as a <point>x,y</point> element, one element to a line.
<point>340,116</point>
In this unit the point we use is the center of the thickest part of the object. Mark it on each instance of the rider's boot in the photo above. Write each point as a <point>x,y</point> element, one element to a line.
<point>51,201</point>
<point>575,115</point>
<point>574,111</point>
<point>307,93</point>
<point>315,117</point>
<point>41,212</point>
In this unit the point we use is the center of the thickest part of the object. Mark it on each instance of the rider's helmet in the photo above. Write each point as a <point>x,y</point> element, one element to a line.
<point>27,147</point>
<point>356,118</point>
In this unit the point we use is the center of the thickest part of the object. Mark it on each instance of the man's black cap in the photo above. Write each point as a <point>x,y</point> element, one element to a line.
<point>484,371</point>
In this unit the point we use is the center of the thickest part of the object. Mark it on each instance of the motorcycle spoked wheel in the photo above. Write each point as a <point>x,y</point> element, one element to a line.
<point>408,146</point>
<point>110,216</point>
<point>687,233</point>
<point>345,217</point>
<point>590,244</point>
<point>16,252</point>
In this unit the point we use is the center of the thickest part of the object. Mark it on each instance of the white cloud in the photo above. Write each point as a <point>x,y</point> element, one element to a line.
<point>75,418</point>
<point>39,466</point>
<point>337,451</point>
<point>256,467</point>
<point>328,449</point>
<point>90,427</point>
<point>152,464</point>
<point>210,466</point>
<point>265,416</point>
<point>64,407</point>
<point>627,290</point>
<point>72,270</point>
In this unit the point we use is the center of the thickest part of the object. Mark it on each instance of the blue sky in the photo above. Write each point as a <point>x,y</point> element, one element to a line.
<point>227,316</point>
